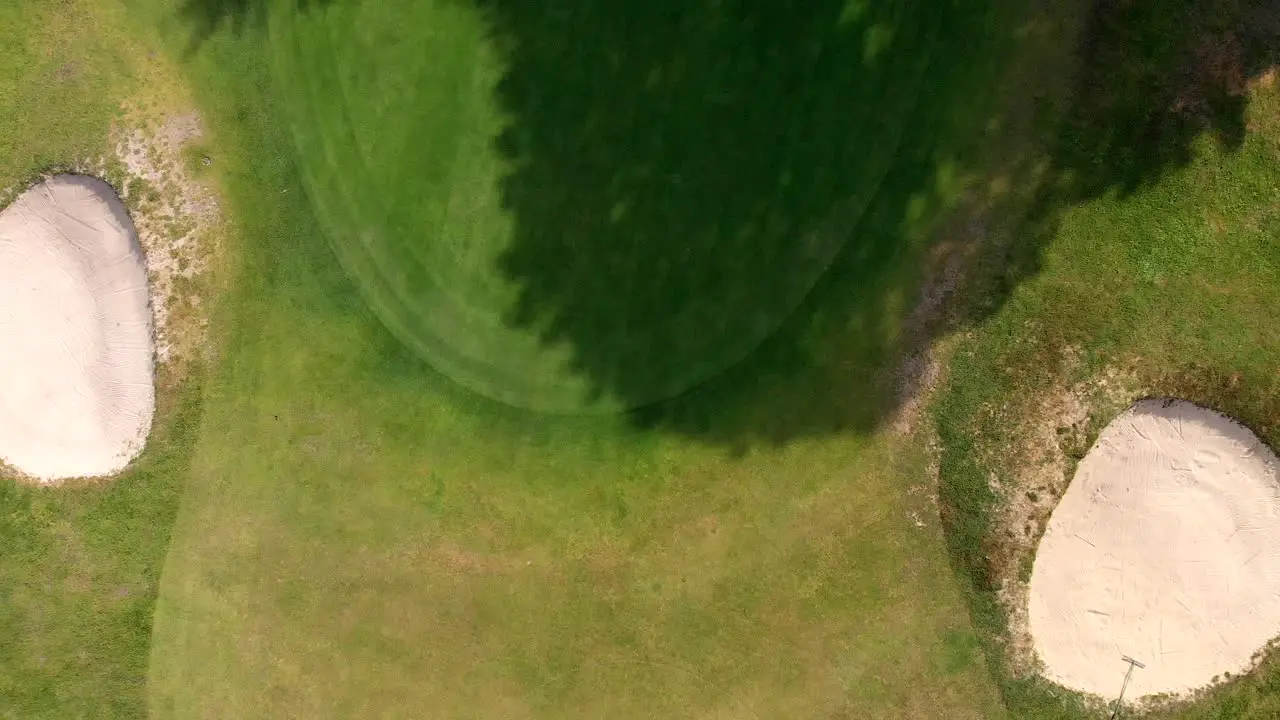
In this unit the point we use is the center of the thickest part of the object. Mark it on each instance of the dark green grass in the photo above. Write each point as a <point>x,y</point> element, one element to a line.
<point>1164,264</point>
<point>598,206</point>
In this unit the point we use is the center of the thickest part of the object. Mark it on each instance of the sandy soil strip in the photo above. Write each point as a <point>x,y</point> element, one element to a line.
<point>77,391</point>
<point>1166,548</point>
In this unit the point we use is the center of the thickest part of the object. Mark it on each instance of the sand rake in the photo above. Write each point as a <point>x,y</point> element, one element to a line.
<point>1128,674</point>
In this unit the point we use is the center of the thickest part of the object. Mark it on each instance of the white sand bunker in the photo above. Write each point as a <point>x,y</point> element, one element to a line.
<point>1165,548</point>
<point>76,376</point>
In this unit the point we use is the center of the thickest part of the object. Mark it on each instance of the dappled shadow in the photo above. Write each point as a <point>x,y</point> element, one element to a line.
<point>1155,77</point>
<point>1152,79</point>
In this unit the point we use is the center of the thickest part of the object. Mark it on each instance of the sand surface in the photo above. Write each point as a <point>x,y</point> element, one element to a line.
<point>77,392</point>
<point>1166,548</point>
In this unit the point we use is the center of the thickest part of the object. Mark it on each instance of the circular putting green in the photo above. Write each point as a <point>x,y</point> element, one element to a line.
<point>591,207</point>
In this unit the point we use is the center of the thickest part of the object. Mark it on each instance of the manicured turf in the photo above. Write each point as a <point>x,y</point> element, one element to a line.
<point>362,537</point>
<point>586,207</point>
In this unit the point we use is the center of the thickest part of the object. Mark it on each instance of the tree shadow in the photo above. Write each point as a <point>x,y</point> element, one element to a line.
<point>206,17</point>
<point>718,205</point>
<point>713,200</point>
<point>1155,79</point>
<point>1152,81</point>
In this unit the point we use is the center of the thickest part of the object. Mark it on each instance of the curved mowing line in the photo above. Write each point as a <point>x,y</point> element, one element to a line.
<point>370,264</point>
<point>470,336</point>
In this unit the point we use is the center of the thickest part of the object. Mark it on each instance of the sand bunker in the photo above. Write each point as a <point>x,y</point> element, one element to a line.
<point>1166,548</point>
<point>76,375</point>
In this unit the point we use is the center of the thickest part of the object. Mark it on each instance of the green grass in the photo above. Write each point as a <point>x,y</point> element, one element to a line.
<point>61,74</point>
<point>362,537</point>
<point>594,207</point>
<point>359,536</point>
<point>80,576</point>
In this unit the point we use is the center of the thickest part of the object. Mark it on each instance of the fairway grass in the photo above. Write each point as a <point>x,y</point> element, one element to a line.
<point>363,537</point>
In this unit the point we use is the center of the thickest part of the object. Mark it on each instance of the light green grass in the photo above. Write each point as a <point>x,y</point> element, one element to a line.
<point>60,87</point>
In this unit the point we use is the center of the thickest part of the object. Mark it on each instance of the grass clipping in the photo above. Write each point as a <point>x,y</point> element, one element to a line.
<point>1165,548</point>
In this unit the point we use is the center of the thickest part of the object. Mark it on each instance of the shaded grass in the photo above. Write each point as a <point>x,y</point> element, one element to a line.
<point>665,200</point>
<point>620,201</point>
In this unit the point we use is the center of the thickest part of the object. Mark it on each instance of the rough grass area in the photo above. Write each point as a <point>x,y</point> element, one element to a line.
<point>78,567</point>
<point>79,579</point>
<point>61,86</point>
<point>1160,279</point>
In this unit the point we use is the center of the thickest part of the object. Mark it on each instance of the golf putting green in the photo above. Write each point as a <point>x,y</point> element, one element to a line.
<point>542,214</point>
